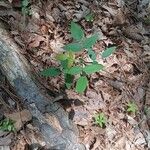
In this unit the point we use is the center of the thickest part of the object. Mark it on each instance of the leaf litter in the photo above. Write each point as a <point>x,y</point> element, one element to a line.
<point>126,74</point>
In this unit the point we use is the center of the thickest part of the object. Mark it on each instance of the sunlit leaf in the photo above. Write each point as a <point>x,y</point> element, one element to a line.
<point>132,107</point>
<point>93,68</point>
<point>81,84</point>
<point>61,57</point>
<point>71,58</point>
<point>101,120</point>
<point>52,72</point>
<point>76,31</point>
<point>108,51</point>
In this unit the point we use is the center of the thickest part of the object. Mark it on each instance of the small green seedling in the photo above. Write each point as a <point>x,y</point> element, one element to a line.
<point>89,17</point>
<point>132,107</point>
<point>25,7</point>
<point>7,125</point>
<point>147,110</point>
<point>100,120</point>
<point>147,20</point>
<point>75,70</point>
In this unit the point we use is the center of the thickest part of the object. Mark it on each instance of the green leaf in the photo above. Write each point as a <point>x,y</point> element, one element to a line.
<point>132,107</point>
<point>108,51</point>
<point>76,31</point>
<point>81,84</point>
<point>7,125</point>
<point>89,42</point>
<point>61,57</point>
<point>52,72</point>
<point>89,17</point>
<point>71,59</point>
<point>75,70</point>
<point>75,47</point>
<point>91,54</point>
<point>64,64</point>
<point>93,68</point>
<point>25,3</point>
<point>101,120</point>
<point>68,80</point>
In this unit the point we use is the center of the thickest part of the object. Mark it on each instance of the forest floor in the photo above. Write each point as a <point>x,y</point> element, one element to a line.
<point>42,28</point>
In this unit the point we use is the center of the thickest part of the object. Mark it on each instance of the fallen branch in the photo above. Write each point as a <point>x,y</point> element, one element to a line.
<point>51,119</point>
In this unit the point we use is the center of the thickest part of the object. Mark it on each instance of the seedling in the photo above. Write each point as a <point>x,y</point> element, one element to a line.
<point>147,110</point>
<point>89,17</point>
<point>25,7</point>
<point>74,68</point>
<point>100,120</point>
<point>7,125</point>
<point>132,107</point>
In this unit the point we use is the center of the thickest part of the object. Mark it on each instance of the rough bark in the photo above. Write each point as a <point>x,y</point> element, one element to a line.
<point>60,130</point>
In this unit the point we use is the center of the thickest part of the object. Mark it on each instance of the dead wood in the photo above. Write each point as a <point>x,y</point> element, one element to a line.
<point>50,118</point>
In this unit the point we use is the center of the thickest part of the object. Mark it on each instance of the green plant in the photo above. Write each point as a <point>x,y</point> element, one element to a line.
<point>89,17</point>
<point>147,110</point>
<point>7,125</point>
<point>100,120</point>
<point>25,7</point>
<point>132,107</point>
<point>73,66</point>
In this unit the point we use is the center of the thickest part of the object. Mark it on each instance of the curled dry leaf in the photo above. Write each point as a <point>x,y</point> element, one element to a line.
<point>35,42</point>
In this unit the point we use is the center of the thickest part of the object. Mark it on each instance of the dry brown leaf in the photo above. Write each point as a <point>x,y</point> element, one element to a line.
<point>133,32</point>
<point>52,120</point>
<point>20,118</point>
<point>35,42</point>
<point>44,30</point>
<point>120,18</point>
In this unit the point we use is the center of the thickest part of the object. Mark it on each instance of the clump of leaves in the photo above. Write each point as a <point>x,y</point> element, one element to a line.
<point>132,107</point>
<point>76,71</point>
<point>25,7</point>
<point>100,119</point>
<point>7,125</point>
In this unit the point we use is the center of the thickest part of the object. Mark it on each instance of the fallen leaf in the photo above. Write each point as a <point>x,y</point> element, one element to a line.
<point>35,42</point>
<point>20,118</point>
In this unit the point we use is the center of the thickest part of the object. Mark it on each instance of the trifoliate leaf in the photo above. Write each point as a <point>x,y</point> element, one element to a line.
<point>81,84</point>
<point>108,51</point>
<point>52,72</point>
<point>93,68</point>
<point>75,47</point>
<point>89,42</point>
<point>76,31</point>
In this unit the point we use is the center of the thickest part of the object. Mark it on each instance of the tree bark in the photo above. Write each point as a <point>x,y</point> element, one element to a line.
<point>50,118</point>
